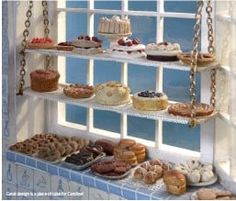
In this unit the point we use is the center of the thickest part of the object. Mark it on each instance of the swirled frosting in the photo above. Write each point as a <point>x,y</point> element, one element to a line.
<point>164,48</point>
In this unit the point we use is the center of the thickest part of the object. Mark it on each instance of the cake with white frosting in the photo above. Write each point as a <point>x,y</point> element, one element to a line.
<point>112,93</point>
<point>150,101</point>
<point>164,51</point>
<point>115,25</point>
<point>128,48</point>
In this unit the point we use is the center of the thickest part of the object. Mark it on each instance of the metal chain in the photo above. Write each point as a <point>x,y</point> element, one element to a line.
<point>194,55</point>
<point>211,50</point>
<point>23,45</point>
<point>46,29</point>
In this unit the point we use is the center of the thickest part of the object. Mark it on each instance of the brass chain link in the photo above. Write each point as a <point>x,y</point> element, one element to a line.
<point>194,55</point>
<point>211,50</point>
<point>46,29</point>
<point>23,45</point>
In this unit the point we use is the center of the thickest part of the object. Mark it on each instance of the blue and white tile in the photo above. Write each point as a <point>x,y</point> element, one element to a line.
<point>115,197</point>
<point>24,194</point>
<point>5,128</point>
<point>96,194</point>
<point>42,183</point>
<point>81,191</point>
<point>59,185</point>
<point>9,172</point>
<point>9,191</point>
<point>25,177</point>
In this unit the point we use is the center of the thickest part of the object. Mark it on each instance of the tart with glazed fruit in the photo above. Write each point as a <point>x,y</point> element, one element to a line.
<point>78,91</point>
<point>41,43</point>
<point>65,46</point>
<point>131,48</point>
<point>150,101</point>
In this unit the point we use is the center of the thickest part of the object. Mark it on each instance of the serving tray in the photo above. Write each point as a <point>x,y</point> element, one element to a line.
<point>207,183</point>
<point>112,177</point>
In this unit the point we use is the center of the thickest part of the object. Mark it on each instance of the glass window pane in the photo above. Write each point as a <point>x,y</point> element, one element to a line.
<point>141,128</point>
<point>182,136</point>
<point>107,120</point>
<point>180,6</point>
<point>76,4</point>
<point>76,114</point>
<point>113,5</point>
<point>143,5</point>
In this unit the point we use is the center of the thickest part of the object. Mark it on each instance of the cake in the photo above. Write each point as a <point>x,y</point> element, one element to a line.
<point>112,93</point>
<point>115,25</point>
<point>150,101</point>
<point>164,51</point>
<point>87,45</point>
<point>41,43</point>
<point>202,58</point>
<point>78,91</point>
<point>130,48</point>
<point>65,46</point>
<point>44,80</point>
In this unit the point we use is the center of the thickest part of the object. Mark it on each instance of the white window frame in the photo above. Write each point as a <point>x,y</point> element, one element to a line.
<point>157,147</point>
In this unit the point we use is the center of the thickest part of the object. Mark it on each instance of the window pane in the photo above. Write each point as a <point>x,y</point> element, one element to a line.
<point>141,128</point>
<point>182,136</point>
<point>113,5</point>
<point>143,5</point>
<point>76,4</point>
<point>76,114</point>
<point>180,6</point>
<point>107,120</point>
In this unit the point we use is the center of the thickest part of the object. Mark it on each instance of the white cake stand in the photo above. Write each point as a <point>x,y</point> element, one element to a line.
<point>113,38</point>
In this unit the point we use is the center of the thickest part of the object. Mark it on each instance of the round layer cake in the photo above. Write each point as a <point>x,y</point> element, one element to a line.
<point>44,80</point>
<point>163,51</point>
<point>112,93</point>
<point>150,101</point>
<point>78,91</point>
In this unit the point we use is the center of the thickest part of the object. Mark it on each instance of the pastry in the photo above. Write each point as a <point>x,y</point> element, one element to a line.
<point>158,170</point>
<point>150,100</point>
<point>107,145</point>
<point>78,91</point>
<point>127,156</point>
<point>87,45</point>
<point>41,43</point>
<point>65,46</point>
<point>44,80</point>
<point>112,93</point>
<point>140,152</point>
<point>139,173</point>
<point>164,51</point>
<point>150,177</point>
<point>126,143</point>
<point>129,48</point>
<point>194,176</point>
<point>175,182</point>
<point>206,194</point>
<point>184,109</point>
<point>202,59</point>
<point>115,25</point>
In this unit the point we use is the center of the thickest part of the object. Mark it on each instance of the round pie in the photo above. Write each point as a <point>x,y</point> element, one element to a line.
<point>78,91</point>
<point>184,109</point>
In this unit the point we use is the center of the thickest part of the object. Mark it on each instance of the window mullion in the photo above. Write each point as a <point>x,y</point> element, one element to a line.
<point>90,64</point>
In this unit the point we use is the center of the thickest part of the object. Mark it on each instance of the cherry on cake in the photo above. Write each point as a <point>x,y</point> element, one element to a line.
<point>150,101</point>
<point>115,25</point>
<point>41,43</point>
<point>112,93</point>
<point>87,45</point>
<point>128,48</point>
<point>164,51</point>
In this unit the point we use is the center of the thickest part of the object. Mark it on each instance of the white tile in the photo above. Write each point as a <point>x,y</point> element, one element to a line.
<point>42,184</point>
<point>115,197</point>
<point>24,177</point>
<point>59,185</point>
<point>24,194</point>
<point>96,194</point>
<point>9,172</point>
<point>79,189</point>
<point>9,191</point>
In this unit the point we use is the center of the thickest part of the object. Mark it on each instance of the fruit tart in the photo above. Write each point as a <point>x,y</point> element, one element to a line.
<point>41,43</point>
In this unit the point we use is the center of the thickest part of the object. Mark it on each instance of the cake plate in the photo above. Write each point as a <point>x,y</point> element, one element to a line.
<point>113,38</point>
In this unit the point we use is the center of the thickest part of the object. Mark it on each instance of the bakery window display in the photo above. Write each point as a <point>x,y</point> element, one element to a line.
<point>163,51</point>
<point>197,173</point>
<point>44,80</point>
<point>79,91</point>
<point>150,101</point>
<point>203,59</point>
<point>65,46</point>
<point>112,93</point>
<point>128,48</point>
<point>41,43</point>
<point>87,45</point>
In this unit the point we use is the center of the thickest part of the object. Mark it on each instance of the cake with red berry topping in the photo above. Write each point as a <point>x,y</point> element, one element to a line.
<point>164,51</point>
<point>87,45</point>
<point>150,101</point>
<point>41,43</point>
<point>128,48</point>
<point>115,25</point>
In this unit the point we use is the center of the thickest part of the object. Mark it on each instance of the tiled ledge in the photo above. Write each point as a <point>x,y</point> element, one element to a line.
<point>126,188</point>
